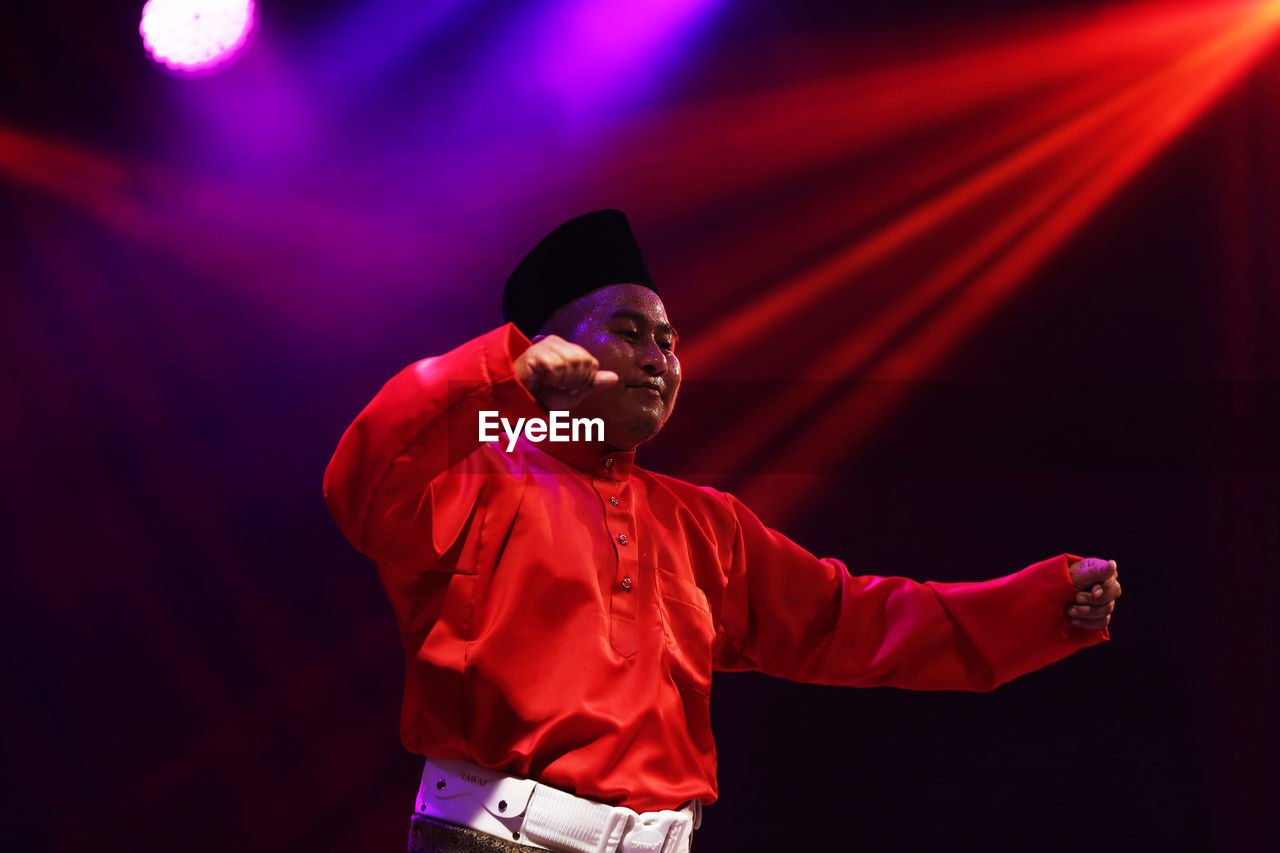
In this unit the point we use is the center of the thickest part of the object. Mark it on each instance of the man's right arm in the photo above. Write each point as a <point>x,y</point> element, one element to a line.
<point>380,483</point>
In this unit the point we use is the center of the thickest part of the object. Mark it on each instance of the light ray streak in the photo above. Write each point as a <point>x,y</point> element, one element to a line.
<point>881,330</point>
<point>777,134</point>
<point>1139,124</point>
<point>233,236</point>
<point>802,292</point>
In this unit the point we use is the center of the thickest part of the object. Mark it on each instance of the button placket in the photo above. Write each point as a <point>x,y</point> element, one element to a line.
<point>623,595</point>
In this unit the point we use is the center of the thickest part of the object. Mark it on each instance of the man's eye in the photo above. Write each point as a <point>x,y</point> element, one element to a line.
<point>629,334</point>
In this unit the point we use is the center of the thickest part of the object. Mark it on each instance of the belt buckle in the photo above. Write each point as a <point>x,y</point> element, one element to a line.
<point>657,832</point>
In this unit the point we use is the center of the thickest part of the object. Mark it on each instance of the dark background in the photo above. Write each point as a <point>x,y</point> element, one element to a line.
<point>195,658</point>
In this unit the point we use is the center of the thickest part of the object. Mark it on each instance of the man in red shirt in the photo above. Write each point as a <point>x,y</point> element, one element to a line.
<point>562,609</point>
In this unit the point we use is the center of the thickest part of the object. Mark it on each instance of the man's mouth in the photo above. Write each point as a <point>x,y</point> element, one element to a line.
<point>648,386</point>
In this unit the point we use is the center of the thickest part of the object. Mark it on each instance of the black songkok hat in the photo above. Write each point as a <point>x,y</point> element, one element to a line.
<point>584,254</point>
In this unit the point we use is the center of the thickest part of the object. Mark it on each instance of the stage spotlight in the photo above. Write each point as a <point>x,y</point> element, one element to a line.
<point>194,37</point>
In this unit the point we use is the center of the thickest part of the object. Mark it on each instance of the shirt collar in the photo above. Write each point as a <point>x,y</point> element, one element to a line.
<point>609,464</point>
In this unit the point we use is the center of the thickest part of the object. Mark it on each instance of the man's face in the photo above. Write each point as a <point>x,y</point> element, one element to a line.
<point>625,327</point>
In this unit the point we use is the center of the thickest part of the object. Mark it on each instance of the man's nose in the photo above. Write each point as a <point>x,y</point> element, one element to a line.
<point>652,359</point>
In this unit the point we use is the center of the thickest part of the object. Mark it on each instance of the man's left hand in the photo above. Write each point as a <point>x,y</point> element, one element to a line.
<point>1097,586</point>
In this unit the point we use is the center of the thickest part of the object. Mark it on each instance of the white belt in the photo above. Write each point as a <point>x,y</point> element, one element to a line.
<point>540,816</point>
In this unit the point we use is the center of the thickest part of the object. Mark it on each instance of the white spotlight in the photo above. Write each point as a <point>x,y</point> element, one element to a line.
<point>193,36</point>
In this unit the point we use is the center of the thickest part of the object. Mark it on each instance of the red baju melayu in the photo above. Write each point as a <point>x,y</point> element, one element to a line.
<point>562,610</point>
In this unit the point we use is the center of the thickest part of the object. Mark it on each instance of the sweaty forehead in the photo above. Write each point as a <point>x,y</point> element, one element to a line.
<point>632,300</point>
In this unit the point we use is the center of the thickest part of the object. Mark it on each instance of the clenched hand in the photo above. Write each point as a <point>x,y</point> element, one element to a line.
<point>558,373</point>
<point>1097,587</point>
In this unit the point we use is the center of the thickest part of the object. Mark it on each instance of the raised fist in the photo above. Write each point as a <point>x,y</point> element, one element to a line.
<point>1097,586</point>
<point>559,374</point>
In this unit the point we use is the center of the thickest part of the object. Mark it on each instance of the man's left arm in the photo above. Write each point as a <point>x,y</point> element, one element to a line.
<point>788,613</point>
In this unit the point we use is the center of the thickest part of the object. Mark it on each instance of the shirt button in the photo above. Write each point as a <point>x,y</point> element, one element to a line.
<point>613,501</point>
<point>608,462</point>
<point>622,538</point>
<point>626,584</point>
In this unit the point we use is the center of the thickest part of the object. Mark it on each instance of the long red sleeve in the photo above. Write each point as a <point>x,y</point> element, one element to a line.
<point>378,485</point>
<point>790,614</point>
